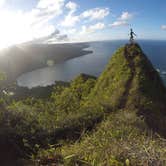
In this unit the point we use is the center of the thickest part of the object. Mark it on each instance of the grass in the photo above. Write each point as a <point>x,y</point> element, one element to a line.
<point>41,122</point>
<point>117,139</point>
<point>111,84</point>
<point>120,137</point>
<point>111,120</point>
<point>127,88</point>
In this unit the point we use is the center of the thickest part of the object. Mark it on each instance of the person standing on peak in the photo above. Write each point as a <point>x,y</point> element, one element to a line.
<point>132,34</point>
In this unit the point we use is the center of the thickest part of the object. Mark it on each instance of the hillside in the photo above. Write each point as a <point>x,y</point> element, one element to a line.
<point>131,82</point>
<point>116,119</point>
<point>131,96</point>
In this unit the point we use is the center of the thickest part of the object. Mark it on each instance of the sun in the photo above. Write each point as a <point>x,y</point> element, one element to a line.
<point>9,29</point>
<point>14,28</point>
<point>18,27</point>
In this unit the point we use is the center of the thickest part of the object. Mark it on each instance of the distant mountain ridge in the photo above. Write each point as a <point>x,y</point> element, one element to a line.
<point>23,58</point>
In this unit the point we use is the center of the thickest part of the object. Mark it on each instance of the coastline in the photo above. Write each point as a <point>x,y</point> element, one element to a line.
<point>18,60</point>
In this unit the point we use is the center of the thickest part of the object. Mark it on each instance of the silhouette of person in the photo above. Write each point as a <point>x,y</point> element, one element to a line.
<point>132,34</point>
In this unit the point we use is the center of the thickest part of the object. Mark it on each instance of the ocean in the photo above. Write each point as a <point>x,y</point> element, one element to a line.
<point>93,63</point>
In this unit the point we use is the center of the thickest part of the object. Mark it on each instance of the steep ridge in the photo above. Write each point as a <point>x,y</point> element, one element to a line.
<point>128,85</point>
<point>130,81</point>
<point>112,86</point>
<point>132,97</point>
<point>147,93</point>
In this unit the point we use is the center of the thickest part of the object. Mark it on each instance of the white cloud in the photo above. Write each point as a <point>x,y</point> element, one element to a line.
<point>20,26</point>
<point>50,4</point>
<point>97,26</point>
<point>54,36</point>
<point>47,9</point>
<point>92,28</point>
<point>126,16</point>
<point>95,14</point>
<point>119,23</point>
<point>70,19</point>
<point>122,20</point>
<point>39,17</point>
<point>72,6</point>
<point>163,27</point>
<point>36,24</point>
<point>71,31</point>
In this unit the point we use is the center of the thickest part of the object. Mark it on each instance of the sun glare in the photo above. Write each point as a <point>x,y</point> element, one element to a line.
<point>18,27</point>
<point>10,29</point>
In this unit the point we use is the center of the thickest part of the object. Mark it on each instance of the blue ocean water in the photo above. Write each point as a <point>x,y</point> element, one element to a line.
<point>93,63</point>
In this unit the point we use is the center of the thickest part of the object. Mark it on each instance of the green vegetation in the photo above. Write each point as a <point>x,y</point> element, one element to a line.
<point>117,119</point>
<point>39,122</point>
<point>111,85</point>
<point>120,137</point>
<point>127,88</point>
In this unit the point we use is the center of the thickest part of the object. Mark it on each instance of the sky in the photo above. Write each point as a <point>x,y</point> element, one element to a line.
<point>52,21</point>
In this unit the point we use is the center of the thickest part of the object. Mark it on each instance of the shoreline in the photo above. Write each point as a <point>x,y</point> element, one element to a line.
<point>18,60</point>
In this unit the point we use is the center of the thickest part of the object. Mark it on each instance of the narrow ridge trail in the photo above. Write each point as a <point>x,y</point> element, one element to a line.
<point>129,58</point>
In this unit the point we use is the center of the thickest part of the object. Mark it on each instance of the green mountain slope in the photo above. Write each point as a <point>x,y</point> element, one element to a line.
<point>33,122</point>
<point>131,97</point>
<point>116,119</point>
<point>130,81</point>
